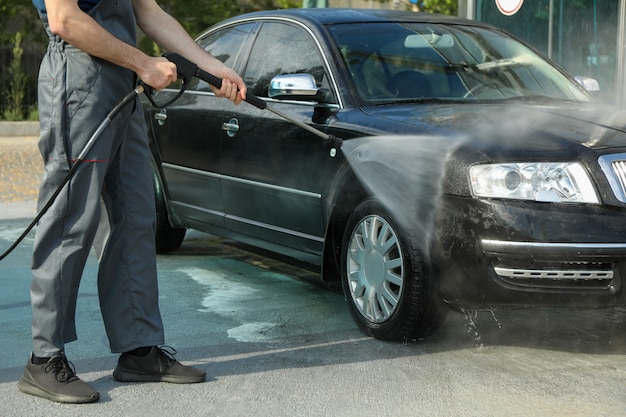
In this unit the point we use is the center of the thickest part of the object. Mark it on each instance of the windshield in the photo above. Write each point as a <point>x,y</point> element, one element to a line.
<point>419,61</point>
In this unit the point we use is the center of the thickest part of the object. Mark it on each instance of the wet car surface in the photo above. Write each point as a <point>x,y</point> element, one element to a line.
<point>473,172</point>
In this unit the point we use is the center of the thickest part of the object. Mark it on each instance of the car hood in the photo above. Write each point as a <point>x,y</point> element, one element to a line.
<point>506,126</point>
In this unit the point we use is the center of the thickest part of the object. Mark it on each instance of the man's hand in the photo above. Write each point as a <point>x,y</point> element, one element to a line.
<point>233,87</point>
<point>229,90</point>
<point>158,72</point>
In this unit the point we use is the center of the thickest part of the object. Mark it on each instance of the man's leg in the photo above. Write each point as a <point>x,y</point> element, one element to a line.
<point>127,278</point>
<point>127,281</point>
<point>65,233</point>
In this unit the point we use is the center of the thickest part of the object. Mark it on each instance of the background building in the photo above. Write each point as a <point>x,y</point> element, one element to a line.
<point>586,37</point>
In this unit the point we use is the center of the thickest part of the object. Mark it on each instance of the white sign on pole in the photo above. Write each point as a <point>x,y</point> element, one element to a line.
<point>509,7</point>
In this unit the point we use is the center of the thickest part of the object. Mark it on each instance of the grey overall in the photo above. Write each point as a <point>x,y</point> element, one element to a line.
<point>76,91</point>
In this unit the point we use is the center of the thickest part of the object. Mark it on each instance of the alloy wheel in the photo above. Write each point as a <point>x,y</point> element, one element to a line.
<point>375,269</point>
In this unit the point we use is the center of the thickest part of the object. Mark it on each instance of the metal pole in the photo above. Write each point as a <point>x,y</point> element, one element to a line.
<point>560,59</point>
<point>471,9</point>
<point>467,9</point>
<point>620,77</point>
<point>550,27</point>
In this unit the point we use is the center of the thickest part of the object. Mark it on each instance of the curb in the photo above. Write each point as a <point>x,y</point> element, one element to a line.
<point>14,129</point>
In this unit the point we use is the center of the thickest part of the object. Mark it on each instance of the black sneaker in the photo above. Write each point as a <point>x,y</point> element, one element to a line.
<point>158,365</point>
<point>56,381</point>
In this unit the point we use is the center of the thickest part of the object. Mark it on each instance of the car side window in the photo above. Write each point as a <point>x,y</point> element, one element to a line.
<point>225,45</point>
<point>281,49</point>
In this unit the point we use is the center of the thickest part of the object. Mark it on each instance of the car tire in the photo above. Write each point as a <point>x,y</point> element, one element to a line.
<point>167,238</point>
<point>385,279</point>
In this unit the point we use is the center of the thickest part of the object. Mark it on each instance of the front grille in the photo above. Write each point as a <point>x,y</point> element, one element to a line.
<point>554,267</point>
<point>614,167</point>
<point>598,278</point>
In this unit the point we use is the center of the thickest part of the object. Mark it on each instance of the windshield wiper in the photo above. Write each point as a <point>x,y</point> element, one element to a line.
<point>536,98</point>
<point>506,62</point>
<point>423,100</point>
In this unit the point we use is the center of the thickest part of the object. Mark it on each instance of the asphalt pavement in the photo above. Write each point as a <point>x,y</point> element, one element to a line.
<point>274,342</point>
<point>20,172</point>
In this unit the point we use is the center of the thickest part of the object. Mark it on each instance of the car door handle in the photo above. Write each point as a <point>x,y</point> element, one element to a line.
<point>161,117</point>
<point>232,127</point>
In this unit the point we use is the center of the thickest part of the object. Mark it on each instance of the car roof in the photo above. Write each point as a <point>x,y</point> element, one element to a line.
<point>331,16</point>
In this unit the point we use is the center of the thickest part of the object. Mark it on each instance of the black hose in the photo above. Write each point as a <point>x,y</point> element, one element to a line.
<point>81,157</point>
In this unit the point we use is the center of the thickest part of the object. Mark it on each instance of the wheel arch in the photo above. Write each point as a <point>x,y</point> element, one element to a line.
<point>161,194</point>
<point>168,234</point>
<point>348,191</point>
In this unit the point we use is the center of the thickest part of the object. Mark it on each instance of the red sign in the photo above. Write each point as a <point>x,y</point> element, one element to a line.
<point>509,7</point>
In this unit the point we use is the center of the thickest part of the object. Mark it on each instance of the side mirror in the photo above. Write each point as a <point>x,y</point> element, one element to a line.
<point>293,87</point>
<point>590,84</point>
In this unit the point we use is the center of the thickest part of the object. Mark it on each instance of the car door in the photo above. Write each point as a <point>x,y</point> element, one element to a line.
<point>188,135</point>
<point>274,173</point>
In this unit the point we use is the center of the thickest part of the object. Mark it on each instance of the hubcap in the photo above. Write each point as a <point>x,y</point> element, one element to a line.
<point>374,266</point>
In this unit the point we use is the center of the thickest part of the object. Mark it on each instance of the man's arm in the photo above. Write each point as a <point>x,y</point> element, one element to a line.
<point>170,35</point>
<point>76,27</point>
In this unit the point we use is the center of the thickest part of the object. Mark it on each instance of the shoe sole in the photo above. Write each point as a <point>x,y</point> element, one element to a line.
<point>124,375</point>
<point>28,387</point>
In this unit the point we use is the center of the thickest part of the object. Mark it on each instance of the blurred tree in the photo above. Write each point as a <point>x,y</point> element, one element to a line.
<point>198,15</point>
<point>17,83</point>
<point>449,7</point>
<point>22,42</point>
<point>194,16</point>
<point>18,16</point>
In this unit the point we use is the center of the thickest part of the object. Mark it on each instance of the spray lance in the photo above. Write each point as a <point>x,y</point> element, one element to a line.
<point>186,71</point>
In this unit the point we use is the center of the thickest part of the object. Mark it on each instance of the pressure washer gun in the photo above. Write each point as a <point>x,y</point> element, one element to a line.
<point>187,70</point>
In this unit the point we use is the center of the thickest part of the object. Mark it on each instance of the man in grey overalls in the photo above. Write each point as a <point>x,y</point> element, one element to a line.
<point>91,64</point>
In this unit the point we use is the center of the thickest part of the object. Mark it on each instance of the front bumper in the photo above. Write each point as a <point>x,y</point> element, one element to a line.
<point>588,267</point>
<point>494,254</point>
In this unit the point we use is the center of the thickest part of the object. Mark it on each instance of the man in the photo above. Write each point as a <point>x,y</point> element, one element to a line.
<point>90,65</point>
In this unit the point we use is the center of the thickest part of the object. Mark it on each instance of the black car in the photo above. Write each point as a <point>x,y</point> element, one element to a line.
<point>474,173</point>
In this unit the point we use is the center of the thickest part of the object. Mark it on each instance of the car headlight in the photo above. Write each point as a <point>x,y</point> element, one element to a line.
<point>557,182</point>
